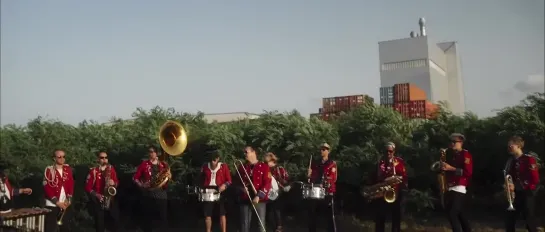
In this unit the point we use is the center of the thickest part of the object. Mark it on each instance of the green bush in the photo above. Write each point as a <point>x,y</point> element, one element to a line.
<point>356,138</point>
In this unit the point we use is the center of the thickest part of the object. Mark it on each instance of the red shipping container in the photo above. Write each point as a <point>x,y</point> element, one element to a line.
<point>408,92</point>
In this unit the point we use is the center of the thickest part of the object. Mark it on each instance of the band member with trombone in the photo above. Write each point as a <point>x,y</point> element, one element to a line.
<point>101,186</point>
<point>279,184</point>
<point>8,192</point>
<point>323,173</point>
<point>255,183</point>
<point>390,166</point>
<point>458,171</point>
<point>154,199</point>
<point>522,179</point>
<point>58,189</point>
<point>215,176</point>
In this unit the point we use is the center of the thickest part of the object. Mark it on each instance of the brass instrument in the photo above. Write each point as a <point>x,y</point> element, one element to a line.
<point>247,193</point>
<point>385,189</point>
<point>173,140</point>
<point>62,212</point>
<point>441,177</point>
<point>109,191</point>
<point>510,195</point>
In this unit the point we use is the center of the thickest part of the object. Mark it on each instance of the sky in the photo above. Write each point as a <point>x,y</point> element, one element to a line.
<point>74,60</point>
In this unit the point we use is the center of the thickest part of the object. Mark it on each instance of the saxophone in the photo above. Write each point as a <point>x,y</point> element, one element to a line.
<point>441,177</point>
<point>385,189</point>
<point>109,191</point>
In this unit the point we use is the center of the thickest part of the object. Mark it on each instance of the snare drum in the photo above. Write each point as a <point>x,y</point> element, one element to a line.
<point>313,192</point>
<point>209,195</point>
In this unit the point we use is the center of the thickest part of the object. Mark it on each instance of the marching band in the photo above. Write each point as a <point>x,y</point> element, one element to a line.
<point>261,185</point>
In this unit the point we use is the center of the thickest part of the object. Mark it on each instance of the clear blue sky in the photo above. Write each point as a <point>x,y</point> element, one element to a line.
<point>75,60</point>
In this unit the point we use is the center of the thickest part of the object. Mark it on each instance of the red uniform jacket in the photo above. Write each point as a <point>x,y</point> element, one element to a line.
<point>386,169</point>
<point>96,182</point>
<point>54,181</point>
<point>261,178</point>
<point>281,175</point>
<point>221,174</point>
<point>463,162</point>
<point>143,172</point>
<point>325,173</point>
<point>524,171</point>
<point>12,192</point>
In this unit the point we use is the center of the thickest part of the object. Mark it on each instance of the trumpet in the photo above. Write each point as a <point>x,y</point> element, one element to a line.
<point>60,216</point>
<point>441,177</point>
<point>510,195</point>
<point>247,193</point>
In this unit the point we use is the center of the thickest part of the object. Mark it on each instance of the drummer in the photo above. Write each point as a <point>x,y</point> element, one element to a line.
<point>215,177</point>
<point>323,173</point>
<point>7,192</point>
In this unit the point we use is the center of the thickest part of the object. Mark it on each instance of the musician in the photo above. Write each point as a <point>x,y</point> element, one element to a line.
<point>98,179</point>
<point>260,176</point>
<point>523,169</point>
<point>215,176</point>
<point>458,170</point>
<point>324,174</point>
<point>154,200</point>
<point>279,183</point>
<point>58,189</point>
<point>390,165</point>
<point>8,192</point>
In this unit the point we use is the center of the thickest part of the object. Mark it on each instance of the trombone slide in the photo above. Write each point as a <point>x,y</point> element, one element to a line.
<point>246,190</point>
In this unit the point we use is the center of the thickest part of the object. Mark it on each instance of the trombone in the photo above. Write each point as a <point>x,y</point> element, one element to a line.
<point>247,193</point>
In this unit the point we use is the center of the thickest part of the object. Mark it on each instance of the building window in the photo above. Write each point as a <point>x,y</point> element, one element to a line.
<point>404,64</point>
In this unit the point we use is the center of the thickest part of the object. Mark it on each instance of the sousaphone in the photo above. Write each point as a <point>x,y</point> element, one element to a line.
<point>173,140</point>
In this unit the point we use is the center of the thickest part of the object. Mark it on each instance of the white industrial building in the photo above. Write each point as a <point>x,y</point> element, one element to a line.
<point>229,117</point>
<point>433,67</point>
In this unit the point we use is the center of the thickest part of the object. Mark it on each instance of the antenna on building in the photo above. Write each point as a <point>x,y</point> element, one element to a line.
<point>412,34</point>
<point>422,23</point>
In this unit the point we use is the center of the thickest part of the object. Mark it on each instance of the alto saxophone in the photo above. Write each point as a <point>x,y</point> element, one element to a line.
<point>109,191</point>
<point>441,177</point>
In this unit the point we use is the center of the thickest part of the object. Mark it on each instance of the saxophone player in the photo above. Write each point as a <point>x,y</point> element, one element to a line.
<point>524,173</point>
<point>154,200</point>
<point>99,180</point>
<point>458,170</point>
<point>58,189</point>
<point>389,166</point>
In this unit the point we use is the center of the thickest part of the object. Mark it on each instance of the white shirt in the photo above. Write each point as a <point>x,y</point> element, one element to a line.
<point>6,193</point>
<point>62,197</point>
<point>213,173</point>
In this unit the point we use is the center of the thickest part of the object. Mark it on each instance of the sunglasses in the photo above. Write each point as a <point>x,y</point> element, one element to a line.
<point>103,157</point>
<point>455,141</point>
<point>60,157</point>
<point>324,149</point>
<point>390,151</point>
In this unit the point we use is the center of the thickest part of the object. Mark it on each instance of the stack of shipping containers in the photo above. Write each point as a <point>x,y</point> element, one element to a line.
<point>409,100</point>
<point>333,106</point>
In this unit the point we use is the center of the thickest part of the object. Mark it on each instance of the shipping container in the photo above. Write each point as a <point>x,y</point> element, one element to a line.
<point>408,92</point>
<point>386,95</point>
<point>320,110</point>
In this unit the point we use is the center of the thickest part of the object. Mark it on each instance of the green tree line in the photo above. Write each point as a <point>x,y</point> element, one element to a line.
<point>357,138</point>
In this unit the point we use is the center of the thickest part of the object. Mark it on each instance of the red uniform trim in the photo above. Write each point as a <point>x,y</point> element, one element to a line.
<point>261,179</point>
<point>223,175</point>
<point>463,162</point>
<point>525,171</point>
<point>96,182</point>
<point>143,172</point>
<point>385,170</point>
<point>53,182</point>
<point>329,172</point>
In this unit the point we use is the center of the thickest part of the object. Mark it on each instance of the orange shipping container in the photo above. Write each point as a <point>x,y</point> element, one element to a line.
<point>408,92</point>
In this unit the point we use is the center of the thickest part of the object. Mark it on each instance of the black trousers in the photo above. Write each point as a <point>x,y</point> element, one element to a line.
<point>153,209</point>
<point>106,218</point>
<point>50,222</point>
<point>524,204</point>
<point>454,204</point>
<point>327,206</point>
<point>274,212</point>
<point>383,209</point>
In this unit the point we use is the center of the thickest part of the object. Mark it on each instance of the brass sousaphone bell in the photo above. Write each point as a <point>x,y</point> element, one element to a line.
<point>173,140</point>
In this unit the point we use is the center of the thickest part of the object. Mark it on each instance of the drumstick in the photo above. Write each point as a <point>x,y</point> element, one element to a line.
<point>309,166</point>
